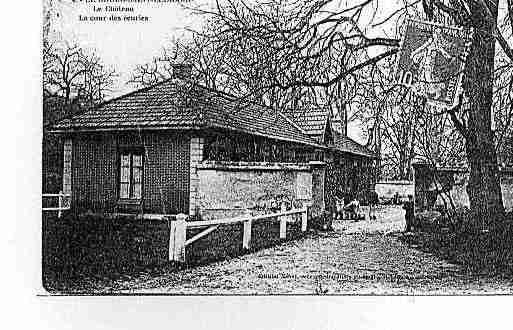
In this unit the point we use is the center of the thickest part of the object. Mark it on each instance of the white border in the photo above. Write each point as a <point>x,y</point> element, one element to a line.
<point>22,309</point>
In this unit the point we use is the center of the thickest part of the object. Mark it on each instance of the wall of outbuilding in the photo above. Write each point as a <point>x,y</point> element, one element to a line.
<point>95,171</point>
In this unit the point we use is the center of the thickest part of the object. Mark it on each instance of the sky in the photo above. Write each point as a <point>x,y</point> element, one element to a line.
<point>125,45</point>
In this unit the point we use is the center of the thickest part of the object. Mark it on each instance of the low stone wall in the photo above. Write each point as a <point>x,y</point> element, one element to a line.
<point>226,189</point>
<point>453,182</point>
<point>388,189</point>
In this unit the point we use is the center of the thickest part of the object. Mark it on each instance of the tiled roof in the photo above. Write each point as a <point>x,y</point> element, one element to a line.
<point>312,121</point>
<point>175,104</point>
<point>346,144</point>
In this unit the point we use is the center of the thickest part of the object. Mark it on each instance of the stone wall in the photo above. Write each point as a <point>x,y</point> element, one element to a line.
<point>196,152</point>
<point>388,189</point>
<point>431,193</point>
<point>226,189</point>
<point>318,189</point>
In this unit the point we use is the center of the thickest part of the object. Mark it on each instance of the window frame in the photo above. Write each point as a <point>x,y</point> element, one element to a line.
<point>131,151</point>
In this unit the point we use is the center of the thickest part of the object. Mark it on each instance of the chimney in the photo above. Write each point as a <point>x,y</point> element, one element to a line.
<point>182,71</point>
<point>338,122</point>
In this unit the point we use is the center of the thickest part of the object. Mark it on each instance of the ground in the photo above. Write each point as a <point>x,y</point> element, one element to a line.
<point>365,257</point>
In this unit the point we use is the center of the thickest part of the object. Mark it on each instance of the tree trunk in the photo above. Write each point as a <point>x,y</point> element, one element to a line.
<point>484,184</point>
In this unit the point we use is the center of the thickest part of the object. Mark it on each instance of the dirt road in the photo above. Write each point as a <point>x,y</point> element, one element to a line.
<point>363,257</point>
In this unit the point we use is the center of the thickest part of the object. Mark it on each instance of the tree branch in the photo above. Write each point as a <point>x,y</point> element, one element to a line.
<point>341,75</point>
<point>457,122</point>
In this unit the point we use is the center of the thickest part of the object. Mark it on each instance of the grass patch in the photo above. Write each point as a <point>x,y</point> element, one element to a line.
<point>88,254</point>
<point>488,252</point>
<point>85,252</point>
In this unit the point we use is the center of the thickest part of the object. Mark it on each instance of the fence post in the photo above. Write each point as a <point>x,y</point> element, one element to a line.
<point>177,235</point>
<point>59,212</point>
<point>283,223</point>
<point>246,238</point>
<point>304,219</point>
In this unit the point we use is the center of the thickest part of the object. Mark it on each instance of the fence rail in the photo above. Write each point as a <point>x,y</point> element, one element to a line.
<point>63,202</point>
<point>179,226</point>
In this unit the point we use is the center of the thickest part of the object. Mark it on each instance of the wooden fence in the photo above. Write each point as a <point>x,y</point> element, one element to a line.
<point>178,229</point>
<point>64,202</point>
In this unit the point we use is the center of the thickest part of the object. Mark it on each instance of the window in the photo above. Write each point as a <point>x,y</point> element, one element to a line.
<point>131,172</point>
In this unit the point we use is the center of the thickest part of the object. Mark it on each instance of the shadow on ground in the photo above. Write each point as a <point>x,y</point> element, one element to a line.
<point>488,253</point>
<point>87,255</point>
<point>477,253</point>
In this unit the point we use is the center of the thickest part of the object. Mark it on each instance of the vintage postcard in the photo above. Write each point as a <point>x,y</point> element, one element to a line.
<point>277,147</point>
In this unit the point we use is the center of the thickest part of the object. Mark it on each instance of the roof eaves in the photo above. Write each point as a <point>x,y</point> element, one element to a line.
<point>185,127</point>
<point>121,128</point>
<point>232,98</point>
<point>310,143</point>
<point>357,153</point>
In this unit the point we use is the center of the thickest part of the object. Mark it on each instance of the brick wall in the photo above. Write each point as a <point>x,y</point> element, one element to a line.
<point>95,164</point>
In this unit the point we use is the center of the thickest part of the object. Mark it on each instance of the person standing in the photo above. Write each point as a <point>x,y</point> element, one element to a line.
<point>409,207</point>
<point>373,200</point>
<point>339,205</point>
<point>395,199</point>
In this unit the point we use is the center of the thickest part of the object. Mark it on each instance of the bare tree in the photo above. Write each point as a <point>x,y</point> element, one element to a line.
<point>330,36</point>
<point>503,106</point>
<point>206,63</point>
<point>244,65</point>
<point>389,114</point>
<point>73,79</point>
<point>71,73</point>
<point>474,123</point>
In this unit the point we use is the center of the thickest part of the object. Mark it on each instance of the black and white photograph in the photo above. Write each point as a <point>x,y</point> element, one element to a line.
<point>276,148</point>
